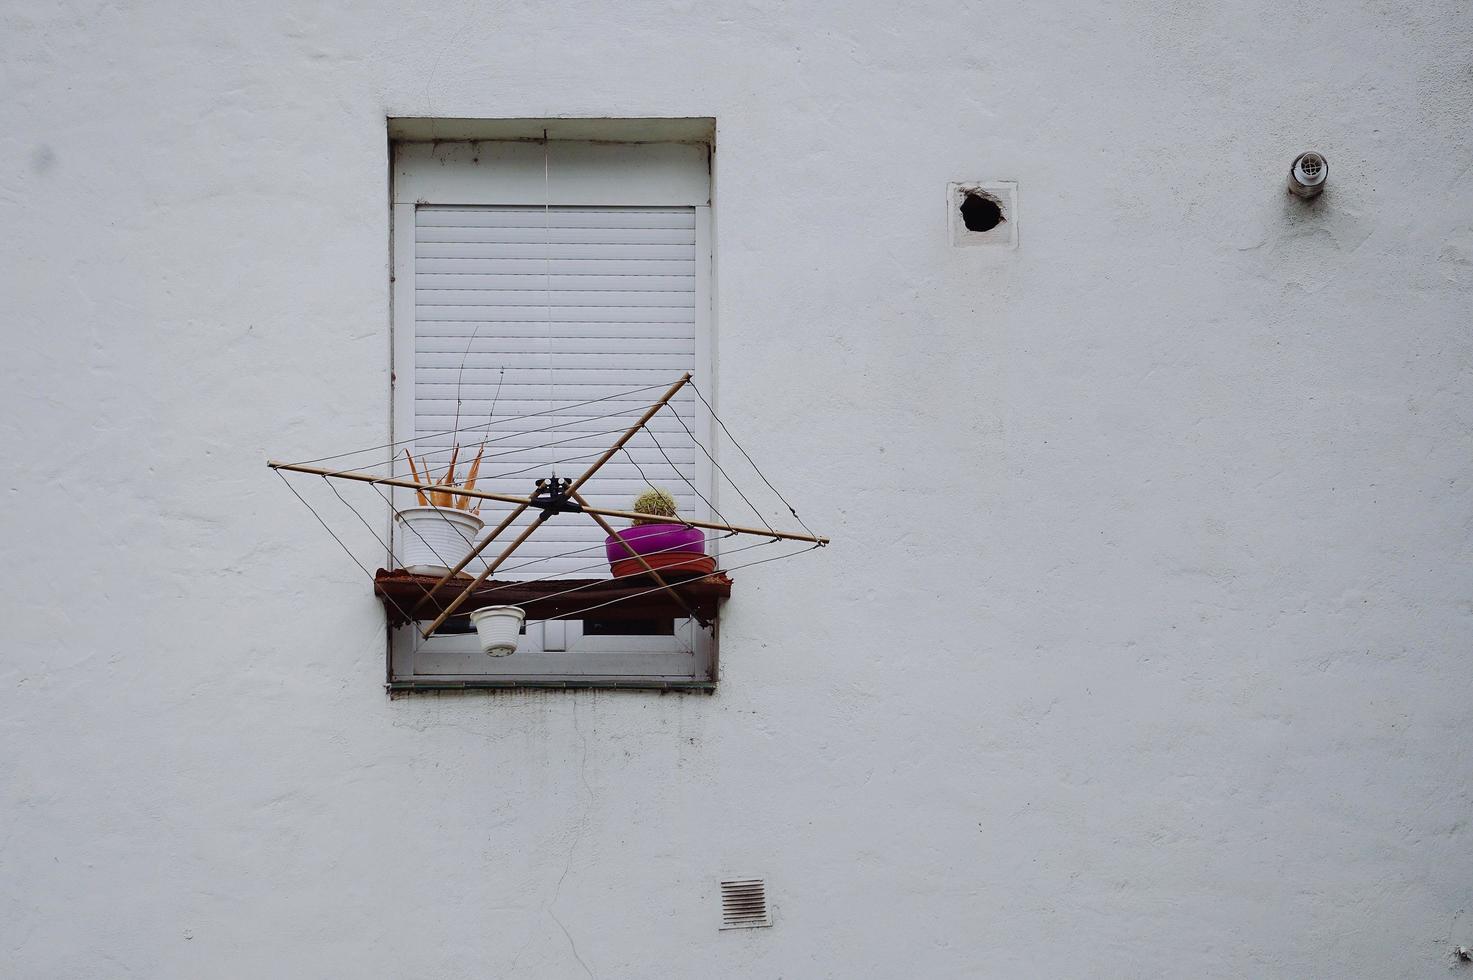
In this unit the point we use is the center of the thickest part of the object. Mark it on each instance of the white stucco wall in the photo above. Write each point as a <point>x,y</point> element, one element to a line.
<point>1142,648</point>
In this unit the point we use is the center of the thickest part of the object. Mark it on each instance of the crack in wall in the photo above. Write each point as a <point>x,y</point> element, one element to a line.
<point>579,831</point>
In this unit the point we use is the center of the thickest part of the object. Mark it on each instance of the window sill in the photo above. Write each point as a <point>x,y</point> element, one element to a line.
<point>633,598</point>
<point>398,689</point>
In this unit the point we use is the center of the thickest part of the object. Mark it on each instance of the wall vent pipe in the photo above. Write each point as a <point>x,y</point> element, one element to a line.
<point>1307,174</point>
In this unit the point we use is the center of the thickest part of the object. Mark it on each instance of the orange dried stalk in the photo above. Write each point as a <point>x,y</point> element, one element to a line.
<point>444,498</point>
<point>423,500</point>
<point>472,504</point>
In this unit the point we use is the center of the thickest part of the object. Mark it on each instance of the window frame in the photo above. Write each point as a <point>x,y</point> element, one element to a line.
<point>583,173</point>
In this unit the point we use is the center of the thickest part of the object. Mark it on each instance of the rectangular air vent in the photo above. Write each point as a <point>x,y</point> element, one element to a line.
<point>744,904</point>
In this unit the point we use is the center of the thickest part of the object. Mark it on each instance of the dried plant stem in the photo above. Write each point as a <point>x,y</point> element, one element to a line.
<point>423,500</point>
<point>464,502</point>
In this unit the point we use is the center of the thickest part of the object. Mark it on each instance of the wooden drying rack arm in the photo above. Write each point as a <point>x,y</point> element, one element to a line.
<point>764,532</point>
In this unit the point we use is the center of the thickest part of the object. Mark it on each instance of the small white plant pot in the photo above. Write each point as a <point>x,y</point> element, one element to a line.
<point>429,537</point>
<point>498,628</point>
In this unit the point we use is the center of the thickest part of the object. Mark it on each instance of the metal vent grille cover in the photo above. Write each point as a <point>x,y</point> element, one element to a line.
<point>744,904</point>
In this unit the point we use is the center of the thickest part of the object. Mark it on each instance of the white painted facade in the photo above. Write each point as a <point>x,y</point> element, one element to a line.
<point>1142,646</point>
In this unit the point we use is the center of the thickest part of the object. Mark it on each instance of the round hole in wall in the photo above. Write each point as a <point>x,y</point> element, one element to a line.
<point>981,212</point>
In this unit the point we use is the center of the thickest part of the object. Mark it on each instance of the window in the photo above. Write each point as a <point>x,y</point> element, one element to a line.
<point>555,286</point>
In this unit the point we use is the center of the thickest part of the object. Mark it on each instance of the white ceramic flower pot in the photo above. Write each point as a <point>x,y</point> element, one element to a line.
<point>432,539</point>
<point>498,628</point>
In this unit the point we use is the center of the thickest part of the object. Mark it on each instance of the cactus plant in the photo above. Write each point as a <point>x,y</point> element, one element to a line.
<point>658,504</point>
<point>658,538</point>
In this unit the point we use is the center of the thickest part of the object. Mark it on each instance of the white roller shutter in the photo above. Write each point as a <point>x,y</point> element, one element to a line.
<point>527,311</point>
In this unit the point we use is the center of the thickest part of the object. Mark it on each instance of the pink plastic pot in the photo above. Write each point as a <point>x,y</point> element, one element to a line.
<point>648,539</point>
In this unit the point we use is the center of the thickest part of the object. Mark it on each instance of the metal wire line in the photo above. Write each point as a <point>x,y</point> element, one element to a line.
<point>643,475</point>
<point>550,466</point>
<point>426,592</point>
<point>561,554</point>
<point>579,613</point>
<point>415,641</point>
<point>501,476</point>
<point>628,411</point>
<point>592,455</point>
<point>576,613</point>
<point>481,593</point>
<point>651,433</point>
<point>554,577</point>
<point>469,544</point>
<point>388,546</point>
<point>599,547</point>
<point>410,526</point>
<point>548,445</point>
<point>675,519</point>
<point>486,425</point>
<point>334,535</point>
<point>755,467</point>
<point>723,472</point>
<point>655,439</point>
<point>579,588</point>
<point>510,435</point>
<point>567,554</point>
<point>424,456</point>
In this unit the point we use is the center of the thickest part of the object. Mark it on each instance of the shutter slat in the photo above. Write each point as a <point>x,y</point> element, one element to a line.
<point>487,366</point>
<point>535,219</point>
<point>461,245</point>
<point>480,265</point>
<point>502,346</point>
<point>539,300</point>
<point>550,426</point>
<point>501,282</point>
<point>611,397</point>
<point>565,315</point>
<point>559,236</point>
<point>442,413</point>
<point>562,374</point>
